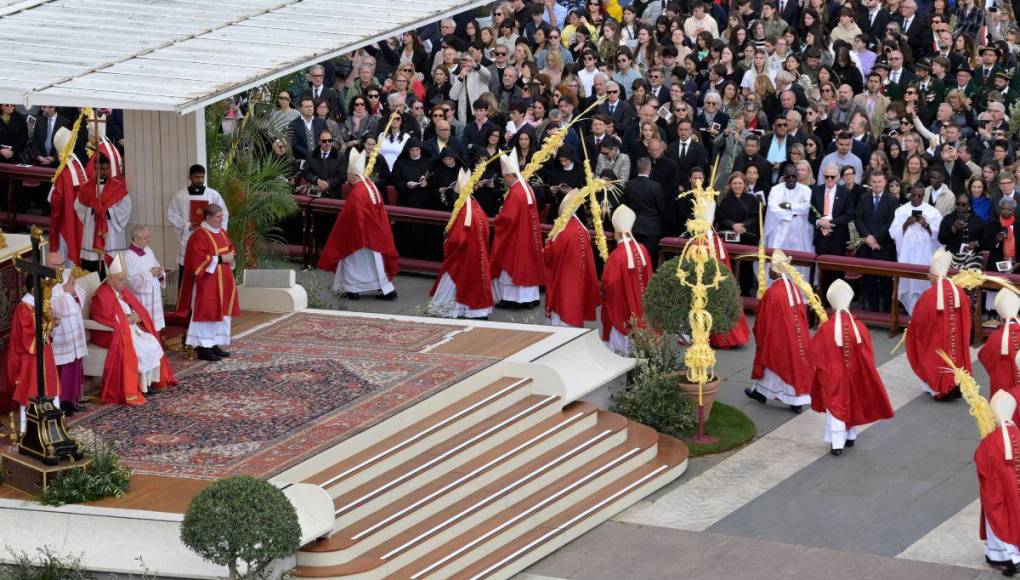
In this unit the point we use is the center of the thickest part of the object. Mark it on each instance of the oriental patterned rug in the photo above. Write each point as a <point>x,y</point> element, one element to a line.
<point>290,391</point>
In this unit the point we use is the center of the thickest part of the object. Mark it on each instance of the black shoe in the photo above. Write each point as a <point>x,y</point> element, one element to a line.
<point>755,395</point>
<point>207,354</point>
<point>352,295</point>
<point>67,408</point>
<point>220,352</point>
<point>956,393</point>
<point>836,452</point>
<point>798,409</point>
<point>1010,570</point>
<point>533,304</point>
<point>849,442</point>
<point>508,305</point>
<point>997,563</point>
<point>391,296</point>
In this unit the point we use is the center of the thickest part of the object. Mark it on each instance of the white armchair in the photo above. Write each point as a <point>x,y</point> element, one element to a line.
<point>96,358</point>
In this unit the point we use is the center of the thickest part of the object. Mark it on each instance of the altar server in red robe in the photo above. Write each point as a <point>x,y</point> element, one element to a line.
<point>517,267</point>
<point>208,292</point>
<point>65,227</point>
<point>134,358</point>
<point>997,460</point>
<point>998,353</point>
<point>572,285</point>
<point>846,386</point>
<point>464,288</point>
<point>740,334</point>
<point>783,369</point>
<point>940,321</point>
<point>103,206</point>
<point>624,280</point>
<point>22,374</point>
<point>360,246</point>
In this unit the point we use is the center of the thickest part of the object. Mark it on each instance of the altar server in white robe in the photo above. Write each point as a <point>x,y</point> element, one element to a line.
<point>69,346</point>
<point>180,214</point>
<point>915,229</point>
<point>145,276</point>
<point>786,219</point>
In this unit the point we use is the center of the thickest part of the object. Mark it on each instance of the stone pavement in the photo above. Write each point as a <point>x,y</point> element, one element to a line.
<point>902,504</point>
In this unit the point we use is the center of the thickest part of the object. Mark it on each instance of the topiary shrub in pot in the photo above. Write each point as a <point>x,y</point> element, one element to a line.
<point>668,302</point>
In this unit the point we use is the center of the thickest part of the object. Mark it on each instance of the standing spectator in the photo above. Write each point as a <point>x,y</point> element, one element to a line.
<point>611,159</point>
<point>963,233</point>
<point>468,85</point>
<point>13,135</point>
<point>915,229</point>
<point>645,196</point>
<point>318,91</point>
<point>738,213</point>
<point>875,213</point>
<point>842,157</point>
<point>305,129</point>
<point>324,170</point>
<point>42,150</point>
<point>834,208</point>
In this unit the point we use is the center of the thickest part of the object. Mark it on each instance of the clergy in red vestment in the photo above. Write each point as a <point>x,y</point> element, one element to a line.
<point>997,460</point>
<point>360,246</point>
<point>65,227</point>
<point>846,386</point>
<point>134,357</point>
<point>572,285</point>
<point>940,321</point>
<point>783,369</point>
<point>624,280</point>
<point>464,287</point>
<point>740,334</point>
<point>998,353</point>
<point>208,293</point>
<point>517,268</point>
<point>22,373</point>
<point>103,205</point>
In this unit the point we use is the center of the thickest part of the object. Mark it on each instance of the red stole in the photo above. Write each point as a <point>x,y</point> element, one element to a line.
<point>215,295</point>
<point>572,286</point>
<point>363,223</point>
<point>21,365</point>
<point>623,287</point>
<point>781,334</point>
<point>517,243</point>
<point>846,382</point>
<point>932,330</point>
<point>113,191</point>
<point>466,258</point>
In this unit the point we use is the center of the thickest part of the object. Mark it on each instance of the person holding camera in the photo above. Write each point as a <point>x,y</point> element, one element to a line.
<point>1001,237</point>
<point>962,232</point>
<point>915,230</point>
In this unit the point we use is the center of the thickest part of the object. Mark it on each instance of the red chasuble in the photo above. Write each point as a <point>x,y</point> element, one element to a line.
<point>517,244</point>
<point>114,190</point>
<point>215,294</point>
<point>466,259</point>
<point>362,223</point>
<point>120,373</point>
<point>1002,371</point>
<point>781,334</point>
<point>22,375</point>
<point>623,288</point>
<point>572,285</point>
<point>999,484</point>
<point>63,219</point>
<point>740,334</point>
<point>932,330</point>
<point>846,382</point>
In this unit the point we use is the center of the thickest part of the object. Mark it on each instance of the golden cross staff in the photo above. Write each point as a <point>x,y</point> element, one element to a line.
<point>596,184</point>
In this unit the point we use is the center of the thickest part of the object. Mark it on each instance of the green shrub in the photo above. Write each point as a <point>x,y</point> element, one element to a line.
<point>651,396</point>
<point>241,519</point>
<point>668,302</point>
<point>105,477</point>
<point>45,566</point>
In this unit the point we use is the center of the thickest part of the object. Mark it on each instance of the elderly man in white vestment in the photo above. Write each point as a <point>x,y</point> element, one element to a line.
<point>69,346</point>
<point>786,218</point>
<point>915,229</point>
<point>145,276</point>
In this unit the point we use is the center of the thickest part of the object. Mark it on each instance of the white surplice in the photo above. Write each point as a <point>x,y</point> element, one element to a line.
<point>146,287</point>
<point>444,301</point>
<point>147,350</point>
<point>69,334</point>
<point>789,229</point>
<point>120,216</point>
<point>914,246</point>
<point>180,210</point>
<point>362,271</point>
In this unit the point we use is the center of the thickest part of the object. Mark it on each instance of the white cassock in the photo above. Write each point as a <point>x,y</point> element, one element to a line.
<point>69,335</point>
<point>789,229</point>
<point>362,271</point>
<point>444,301</point>
<point>147,349</point>
<point>180,210</point>
<point>120,215</point>
<point>914,246</point>
<point>146,287</point>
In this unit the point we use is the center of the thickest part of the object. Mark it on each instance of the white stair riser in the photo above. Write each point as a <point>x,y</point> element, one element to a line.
<point>394,459</point>
<point>413,518</point>
<point>606,513</point>
<point>451,463</point>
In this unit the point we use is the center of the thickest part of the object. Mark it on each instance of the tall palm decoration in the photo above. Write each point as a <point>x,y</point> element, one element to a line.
<point>253,180</point>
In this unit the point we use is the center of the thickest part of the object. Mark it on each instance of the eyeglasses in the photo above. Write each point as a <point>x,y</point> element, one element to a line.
<point>826,90</point>
<point>318,76</point>
<point>373,96</point>
<point>831,177</point>
<point>501,53</point>
<point>613,92</point>
<point>654,76</point>
<point>589,57</point>
<point>325,140</point>
<point>359,104</point>
<point>438,114</point>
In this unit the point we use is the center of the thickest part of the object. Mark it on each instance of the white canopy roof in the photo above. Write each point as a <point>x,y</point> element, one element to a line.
<point>180,55</point>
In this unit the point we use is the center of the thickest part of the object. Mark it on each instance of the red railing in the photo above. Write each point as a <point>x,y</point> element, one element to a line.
<point>27,176</point>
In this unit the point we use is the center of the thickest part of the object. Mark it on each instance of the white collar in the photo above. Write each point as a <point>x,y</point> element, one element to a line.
<point>206,226</point>
<point>29,299</point>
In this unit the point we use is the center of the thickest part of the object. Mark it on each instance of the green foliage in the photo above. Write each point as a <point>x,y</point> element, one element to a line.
<point>1014,118</point>
<point>319,287</point>
<point>241,520</point>
<point>652,396</point>
<point>732,427</point>
<point>105,477</point>
<point>45,566</point>
<point>668,302</point>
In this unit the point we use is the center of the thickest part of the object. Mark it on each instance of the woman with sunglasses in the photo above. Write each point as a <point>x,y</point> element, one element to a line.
<point>284,113</point>
<point>359,122</point>
<point>625,70</point>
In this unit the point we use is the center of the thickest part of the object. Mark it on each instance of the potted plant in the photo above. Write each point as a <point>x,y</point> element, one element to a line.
<point>667,305</point>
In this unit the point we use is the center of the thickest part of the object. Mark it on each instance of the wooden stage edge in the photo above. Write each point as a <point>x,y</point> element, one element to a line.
<point>174,494</point>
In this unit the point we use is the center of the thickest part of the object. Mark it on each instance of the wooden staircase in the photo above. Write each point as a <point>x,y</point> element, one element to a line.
<point>484,487</point>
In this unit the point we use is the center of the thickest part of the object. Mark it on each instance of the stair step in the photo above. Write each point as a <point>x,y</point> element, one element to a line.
<point>555,447</point>
<point>408,442</point>
<point>486,514</point>
<point>443,458</point>
<point>538,542</point>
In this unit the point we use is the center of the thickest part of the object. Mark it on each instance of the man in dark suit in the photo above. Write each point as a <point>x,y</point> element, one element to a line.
<point>833,211</point>
<point>687,153</point>
<point>899,76</point>
<point>644,195</point>
<point>751,155</point>
<point>42,150</point>
<point>916,28</point>
<point>788,11</point>
<point>617,110</point>
<point>874,217</point>
<point>324,170</point>
<point>305,129</point>
<point>443,138</point>
<point>594,138</point>
<point>319,92</point>
<point>665,173</point>
<point>872,18</point>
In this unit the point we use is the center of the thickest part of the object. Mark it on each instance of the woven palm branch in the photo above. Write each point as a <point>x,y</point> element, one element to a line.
<point>979,408</point>
<point>370,164</point>
<point>66,153</point>
<point>463,196</point>
<point>971,279</point>
<point>553,142</point>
